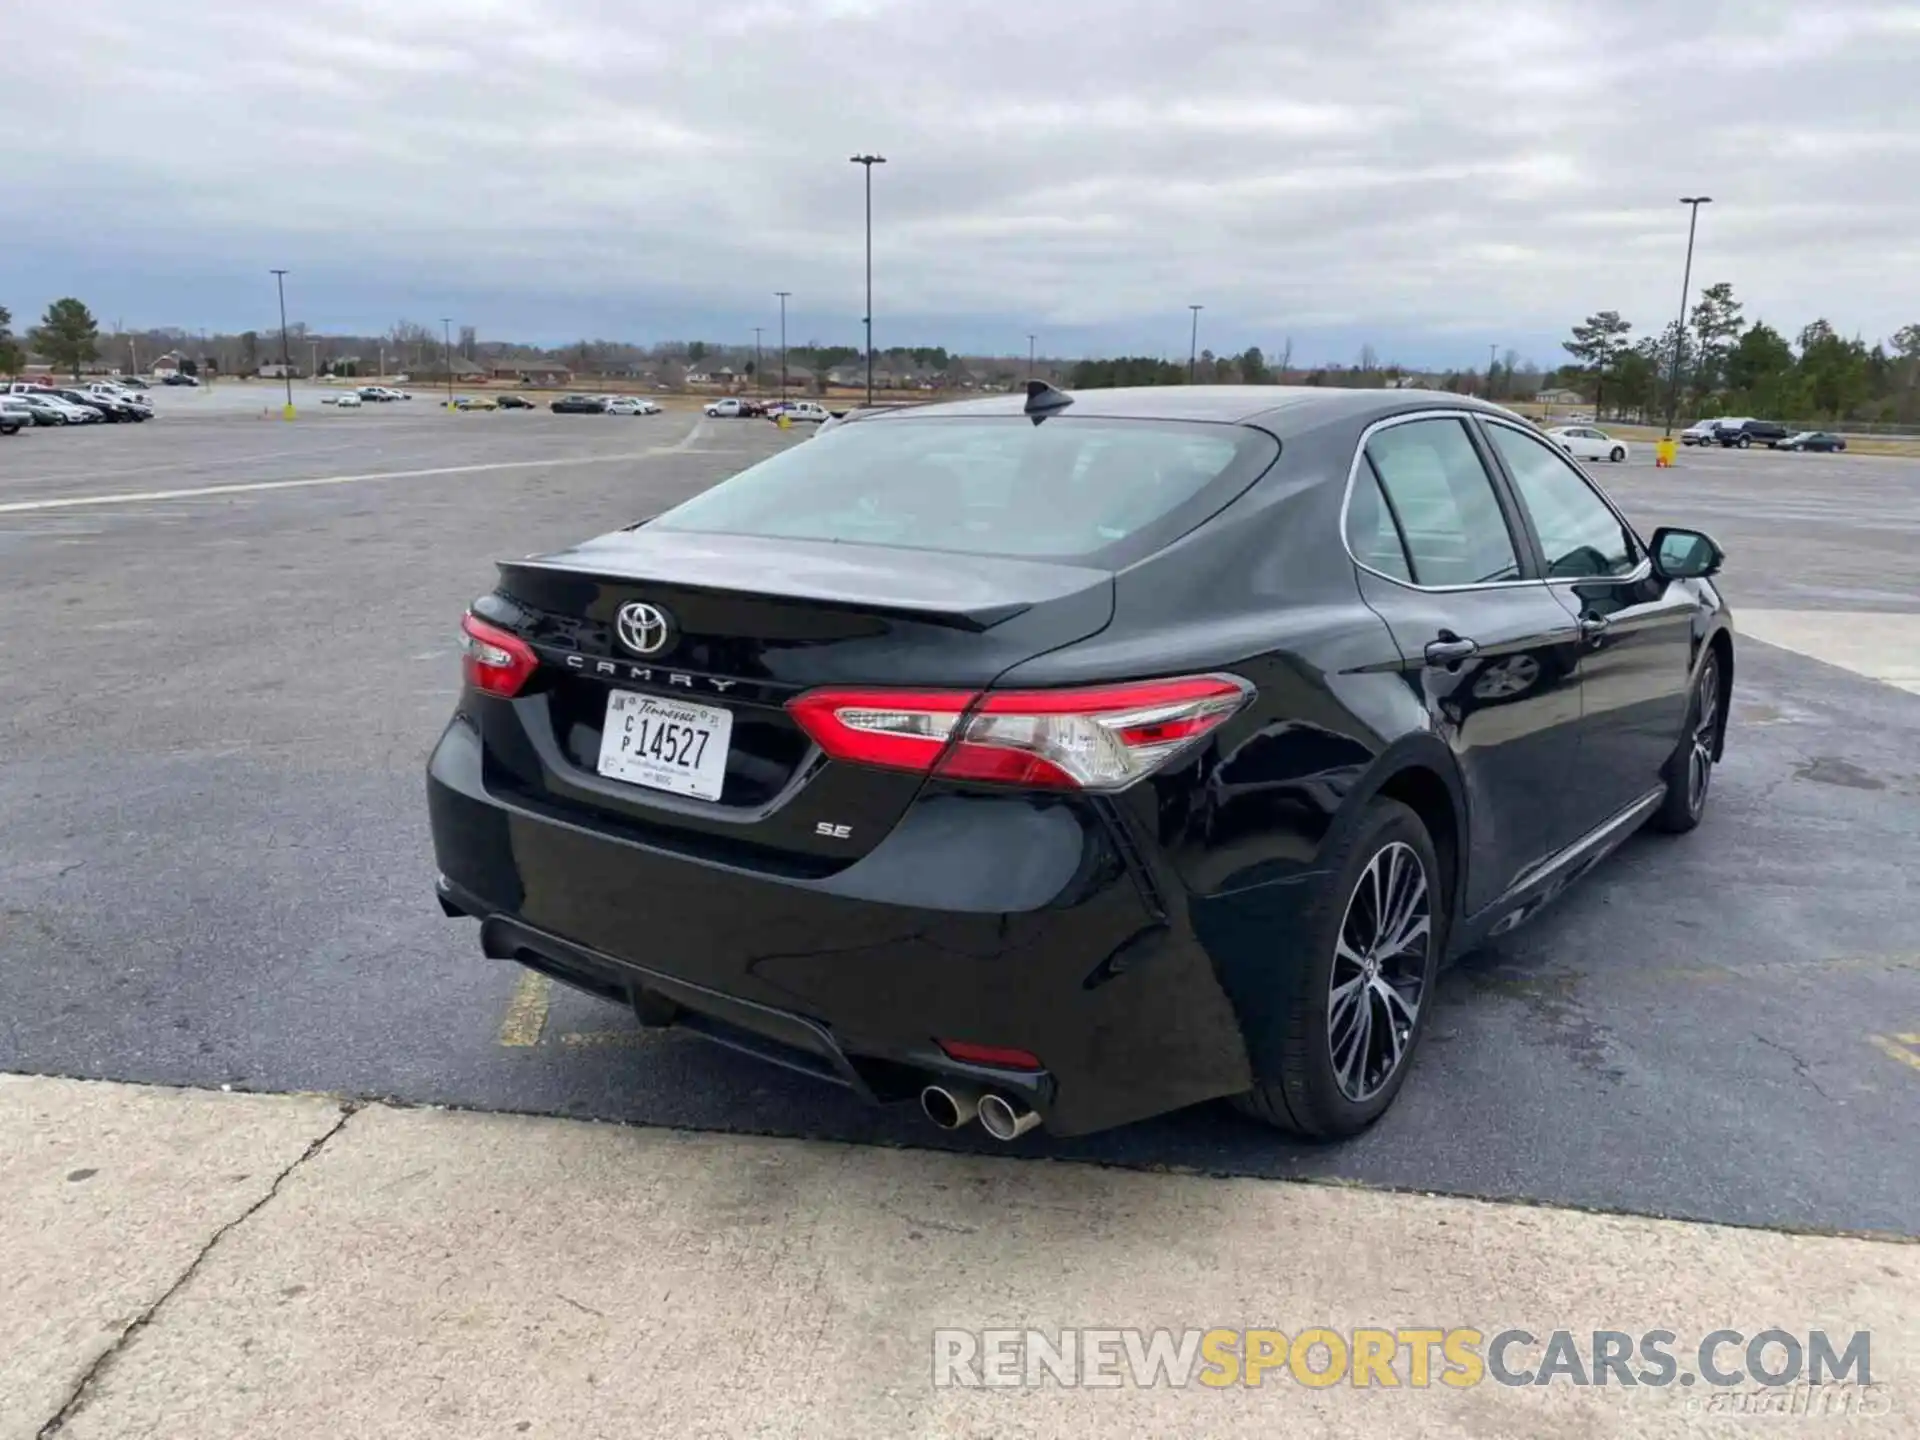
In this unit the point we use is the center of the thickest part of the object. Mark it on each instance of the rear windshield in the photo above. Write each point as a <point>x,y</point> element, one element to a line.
<point>1067,489</point>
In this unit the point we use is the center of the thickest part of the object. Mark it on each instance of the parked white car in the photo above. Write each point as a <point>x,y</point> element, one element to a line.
<point>727,409</point>
<point>630,405</point>
<point>1701,432</point>
<point>803,412</point>
<point>349,401</point>
<point>1583,442</point>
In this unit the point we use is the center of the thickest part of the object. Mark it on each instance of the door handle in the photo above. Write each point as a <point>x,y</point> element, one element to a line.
<point>1450,649</point>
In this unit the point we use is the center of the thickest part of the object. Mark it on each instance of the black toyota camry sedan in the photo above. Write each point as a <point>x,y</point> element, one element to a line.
<point>1065,759</point>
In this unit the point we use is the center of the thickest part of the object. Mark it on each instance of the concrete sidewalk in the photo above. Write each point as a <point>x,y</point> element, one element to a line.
<point>213,1265</point>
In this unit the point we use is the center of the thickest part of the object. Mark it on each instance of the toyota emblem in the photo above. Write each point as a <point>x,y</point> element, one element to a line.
<point>644,629</point>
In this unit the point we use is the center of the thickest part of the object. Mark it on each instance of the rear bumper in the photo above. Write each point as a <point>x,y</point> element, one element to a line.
<point>1001,921</point>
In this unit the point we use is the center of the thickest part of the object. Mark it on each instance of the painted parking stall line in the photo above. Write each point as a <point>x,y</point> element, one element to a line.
<point>526,1018</point>
<point>1904,1048</point>
<point>142,497</point>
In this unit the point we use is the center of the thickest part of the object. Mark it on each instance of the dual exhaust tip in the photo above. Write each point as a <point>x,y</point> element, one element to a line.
<point>951,1106</point>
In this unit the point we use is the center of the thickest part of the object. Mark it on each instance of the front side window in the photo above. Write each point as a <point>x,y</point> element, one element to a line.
<point>1455,531</point>
<point>1580,536</point>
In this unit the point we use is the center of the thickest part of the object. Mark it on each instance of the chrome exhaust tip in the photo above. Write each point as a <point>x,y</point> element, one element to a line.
<point>950,1106</point>
<point>1006,1119</point>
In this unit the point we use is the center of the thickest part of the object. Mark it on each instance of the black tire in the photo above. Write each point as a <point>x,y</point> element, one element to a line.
<point>1619,454</point>
<point>1689,770</point>
<point>1745,442</point>
<point>1308,1098</point>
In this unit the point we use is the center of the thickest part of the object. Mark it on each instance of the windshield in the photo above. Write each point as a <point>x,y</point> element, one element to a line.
<point>1068,489</point>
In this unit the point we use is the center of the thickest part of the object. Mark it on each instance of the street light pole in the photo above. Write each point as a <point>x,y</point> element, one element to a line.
<point>759,371</point>
<point>1492,351</point>
<point>1686,284</point>
<point>868,162</point>
<point>1193,341</point>
<point>286,362</point>
<point>446,326</point>
<point>783,294</point>
<point>1030,357</point>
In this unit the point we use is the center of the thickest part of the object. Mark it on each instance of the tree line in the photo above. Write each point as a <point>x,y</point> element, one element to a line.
<point>1719,363</point>
<point>1249,367</point>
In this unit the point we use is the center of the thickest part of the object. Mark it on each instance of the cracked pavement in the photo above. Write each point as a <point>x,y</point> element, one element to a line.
<point>112,1199</point>
<point>419,1274</point>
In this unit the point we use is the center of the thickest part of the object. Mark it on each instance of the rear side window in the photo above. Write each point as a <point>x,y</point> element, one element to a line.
<point>1092,490</point>
<point>1455,531</point>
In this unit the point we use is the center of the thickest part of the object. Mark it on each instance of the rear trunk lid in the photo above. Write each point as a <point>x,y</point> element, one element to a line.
<point>750,623</point>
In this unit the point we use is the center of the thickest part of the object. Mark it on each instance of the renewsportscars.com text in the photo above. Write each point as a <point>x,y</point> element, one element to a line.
<point>1459,1357</point>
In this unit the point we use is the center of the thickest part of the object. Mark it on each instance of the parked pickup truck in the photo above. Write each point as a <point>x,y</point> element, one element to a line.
<point>800,412</point>
<point>1744,434</point>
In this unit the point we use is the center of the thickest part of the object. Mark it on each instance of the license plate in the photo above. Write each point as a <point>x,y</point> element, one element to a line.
<point>666,744</point>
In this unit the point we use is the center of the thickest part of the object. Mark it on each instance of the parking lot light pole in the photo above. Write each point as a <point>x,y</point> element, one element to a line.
<point>1029,357</point>
<point>868,162</point>
<point>1686,284</point>
<point>759,371</point>
<point>446,326</point>
<point>286,363</point>
<point>1193,341</point>
<point>783,294</point>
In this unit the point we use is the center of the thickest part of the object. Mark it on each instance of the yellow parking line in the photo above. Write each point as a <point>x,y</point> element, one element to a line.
<point>1898,1052</point>
<point>526,1015</point>
<point>1913,1039</point>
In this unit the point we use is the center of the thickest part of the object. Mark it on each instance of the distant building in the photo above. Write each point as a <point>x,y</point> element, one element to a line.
<point>528,372</point>
<point>436,368</point>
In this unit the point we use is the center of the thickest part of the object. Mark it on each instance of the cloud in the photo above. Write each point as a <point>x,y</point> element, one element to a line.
<point>1427,178</point>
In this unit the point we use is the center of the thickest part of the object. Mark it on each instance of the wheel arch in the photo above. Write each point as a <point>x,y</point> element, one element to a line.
<point>1720,646</point>
<point>1420,773</point>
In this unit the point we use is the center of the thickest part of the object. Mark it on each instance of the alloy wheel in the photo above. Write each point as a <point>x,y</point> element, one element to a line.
<point>1379,971</point>
<point>1705,721</point>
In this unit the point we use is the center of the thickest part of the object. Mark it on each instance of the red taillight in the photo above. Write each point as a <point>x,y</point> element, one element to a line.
<point>999,1055</point>
<point>898,729</point>
<point>1100,738</point>
<point>495,662</point>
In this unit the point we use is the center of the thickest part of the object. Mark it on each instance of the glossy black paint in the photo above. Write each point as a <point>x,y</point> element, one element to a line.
<point>1139,943</point>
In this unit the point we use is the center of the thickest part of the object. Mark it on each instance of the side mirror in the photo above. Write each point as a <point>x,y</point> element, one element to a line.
<point>1686,554</point>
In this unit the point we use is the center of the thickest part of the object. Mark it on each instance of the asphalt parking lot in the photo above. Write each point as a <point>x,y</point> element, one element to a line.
<point>231,644</point>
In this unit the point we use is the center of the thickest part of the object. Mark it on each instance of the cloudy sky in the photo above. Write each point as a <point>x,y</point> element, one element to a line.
<point>1424,178</point>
